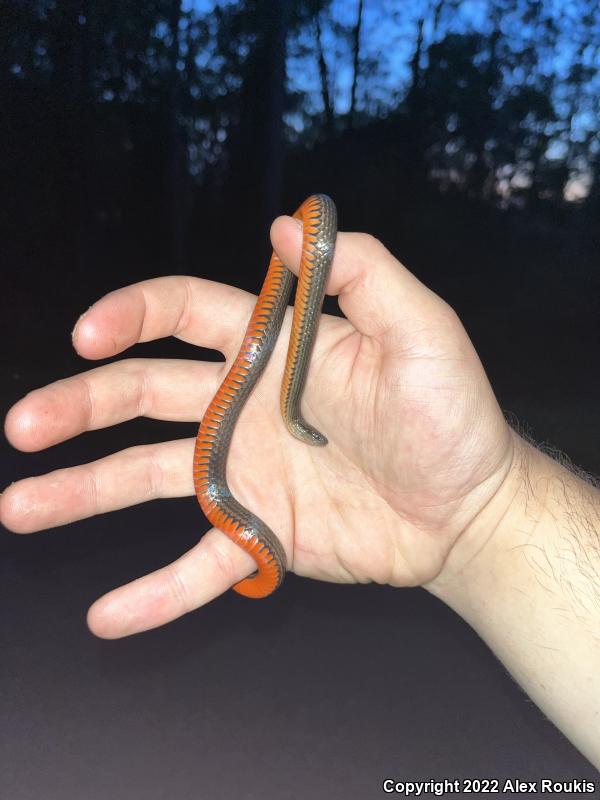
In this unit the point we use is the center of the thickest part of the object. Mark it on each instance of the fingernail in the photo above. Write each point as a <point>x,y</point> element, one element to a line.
<point>85,313</point>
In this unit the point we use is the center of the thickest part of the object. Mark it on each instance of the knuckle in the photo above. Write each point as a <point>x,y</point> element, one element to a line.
<point>186,307</point>
<point>88,400</point>
<point>90,489</point>
<point>372,244</point>
<point>155,477</point>
<point>178,587</point>
<point>144,390</point>
<point>448,315</point>
<point>369,240</point>
<point>223,561</point>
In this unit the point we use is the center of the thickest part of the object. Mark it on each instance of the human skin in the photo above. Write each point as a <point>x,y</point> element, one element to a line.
<point>422,482</point>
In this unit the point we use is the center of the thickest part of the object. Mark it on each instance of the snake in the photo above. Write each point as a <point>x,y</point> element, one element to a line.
<point>318,216</point>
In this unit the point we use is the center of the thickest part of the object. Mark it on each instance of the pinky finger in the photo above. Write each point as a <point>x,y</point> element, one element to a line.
<point>196,578</point>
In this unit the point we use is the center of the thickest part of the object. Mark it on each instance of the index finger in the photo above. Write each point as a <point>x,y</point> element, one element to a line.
<point>203,312</point>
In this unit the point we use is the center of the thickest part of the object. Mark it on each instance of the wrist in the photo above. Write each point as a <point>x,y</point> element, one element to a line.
<point>543,520</point>
<point>475,552</point>
<point>526,577</point>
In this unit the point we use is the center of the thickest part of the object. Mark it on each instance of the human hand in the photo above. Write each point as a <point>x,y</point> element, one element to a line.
<point>417,443</point>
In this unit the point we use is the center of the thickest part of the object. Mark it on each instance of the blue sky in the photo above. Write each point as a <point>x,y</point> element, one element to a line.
<point>389,37</point>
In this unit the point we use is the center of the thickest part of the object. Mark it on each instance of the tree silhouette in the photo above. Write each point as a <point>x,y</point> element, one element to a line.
<point>134,122</point>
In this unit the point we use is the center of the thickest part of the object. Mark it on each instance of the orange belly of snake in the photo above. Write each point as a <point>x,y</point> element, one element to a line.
<point>242,526</point>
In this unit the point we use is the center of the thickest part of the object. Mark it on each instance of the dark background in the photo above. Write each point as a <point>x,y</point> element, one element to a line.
<point>143,139</point>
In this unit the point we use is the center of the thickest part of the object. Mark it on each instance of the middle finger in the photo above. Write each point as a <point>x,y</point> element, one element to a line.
<point>169,389</point>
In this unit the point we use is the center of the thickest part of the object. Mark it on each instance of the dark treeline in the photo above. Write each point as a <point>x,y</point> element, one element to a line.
<point>156,137</point>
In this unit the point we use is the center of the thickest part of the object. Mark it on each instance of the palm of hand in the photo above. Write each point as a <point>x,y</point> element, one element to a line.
<point>414,451</point>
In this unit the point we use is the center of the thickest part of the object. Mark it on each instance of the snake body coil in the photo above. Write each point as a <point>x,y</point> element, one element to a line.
<point>319,218</point>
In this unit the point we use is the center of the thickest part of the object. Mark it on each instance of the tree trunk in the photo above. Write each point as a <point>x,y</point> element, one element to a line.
<point>324,76</point>
<point>436,19</point>
<point>275,50</point>
<point>174,167</point>
<point>355,62</point>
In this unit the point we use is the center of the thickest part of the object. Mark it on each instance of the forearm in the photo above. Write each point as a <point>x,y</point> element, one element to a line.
<point>526,576</point>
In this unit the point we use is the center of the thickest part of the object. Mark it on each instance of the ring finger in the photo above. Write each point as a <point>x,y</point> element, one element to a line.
<point>123,479</point>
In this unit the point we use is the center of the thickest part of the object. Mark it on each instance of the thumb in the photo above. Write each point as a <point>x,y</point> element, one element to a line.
<point>376,292</point>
